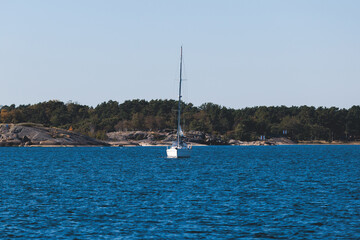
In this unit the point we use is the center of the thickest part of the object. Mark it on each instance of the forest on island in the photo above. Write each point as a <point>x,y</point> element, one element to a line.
<point>296,123</point>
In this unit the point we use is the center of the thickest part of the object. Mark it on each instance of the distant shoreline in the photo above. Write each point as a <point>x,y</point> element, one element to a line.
<point>194,145</point>
<point>252,143</point>
<point>31,135</point>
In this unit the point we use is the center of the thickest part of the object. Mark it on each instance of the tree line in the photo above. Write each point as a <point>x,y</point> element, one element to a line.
<point>296,123</point>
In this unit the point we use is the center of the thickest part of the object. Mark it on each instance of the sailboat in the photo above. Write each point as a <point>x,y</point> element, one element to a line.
<point>179,148</point>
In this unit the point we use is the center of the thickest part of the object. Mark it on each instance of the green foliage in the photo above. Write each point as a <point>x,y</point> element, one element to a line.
<point>300,123</point>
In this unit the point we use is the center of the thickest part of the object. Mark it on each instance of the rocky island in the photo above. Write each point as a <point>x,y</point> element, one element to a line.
<point>30,134</point>
<point>141,122</point>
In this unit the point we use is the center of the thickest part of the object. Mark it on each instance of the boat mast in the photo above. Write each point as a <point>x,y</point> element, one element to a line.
<point>179,104</point>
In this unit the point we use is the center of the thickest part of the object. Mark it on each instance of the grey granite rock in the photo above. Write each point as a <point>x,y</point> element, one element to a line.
<point>33,134</point>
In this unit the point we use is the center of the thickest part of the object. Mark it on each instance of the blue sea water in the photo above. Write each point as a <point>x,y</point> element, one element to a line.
<point>227,192</point>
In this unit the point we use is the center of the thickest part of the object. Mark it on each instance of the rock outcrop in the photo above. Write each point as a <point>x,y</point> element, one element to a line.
<point>134,138</point>
<point>162,138</point>
<point>35,134</point>
<point>269,142</point>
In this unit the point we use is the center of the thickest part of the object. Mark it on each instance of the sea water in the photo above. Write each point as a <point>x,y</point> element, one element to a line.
<point>228,192</point>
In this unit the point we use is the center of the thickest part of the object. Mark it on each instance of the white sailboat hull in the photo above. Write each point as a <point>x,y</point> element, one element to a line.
<point>178,152</point>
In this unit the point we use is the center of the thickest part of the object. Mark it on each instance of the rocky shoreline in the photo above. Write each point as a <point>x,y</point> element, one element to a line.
<point>29,134</point>
<point>195,138</point>
<point>38,135</point>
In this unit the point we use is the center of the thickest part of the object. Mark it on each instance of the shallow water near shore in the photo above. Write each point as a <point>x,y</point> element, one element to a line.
<point>226,192</point>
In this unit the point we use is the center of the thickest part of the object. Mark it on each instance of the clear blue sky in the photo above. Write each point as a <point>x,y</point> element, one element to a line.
<point>237,53</point>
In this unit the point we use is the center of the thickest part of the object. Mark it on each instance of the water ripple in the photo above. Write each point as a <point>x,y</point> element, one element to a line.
<point>282,192</point>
